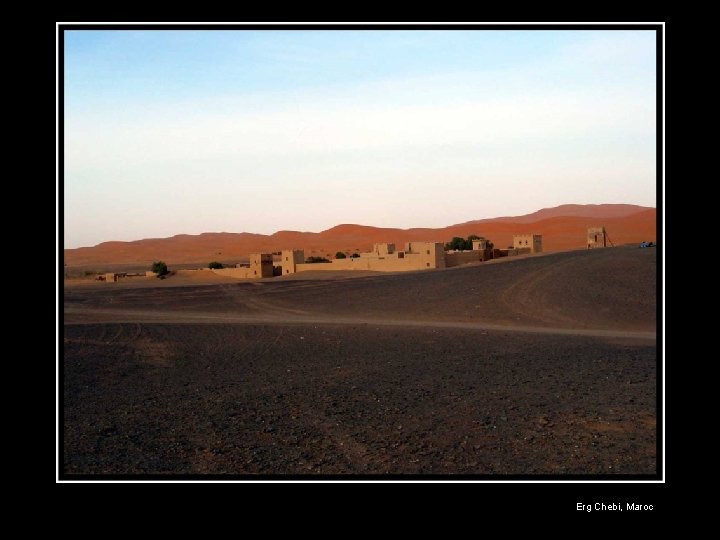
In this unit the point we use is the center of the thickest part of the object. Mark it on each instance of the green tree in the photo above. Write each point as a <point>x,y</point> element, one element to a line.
<point>456,243</point>
<point>160,268</point>
<point>354,255</point>
<point>314,259</point>
<point>216,265</point>
<point>461,244</point>
<point>340,255</point>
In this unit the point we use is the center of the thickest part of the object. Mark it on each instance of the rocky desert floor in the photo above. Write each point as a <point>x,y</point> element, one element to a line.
<point>539,365</point>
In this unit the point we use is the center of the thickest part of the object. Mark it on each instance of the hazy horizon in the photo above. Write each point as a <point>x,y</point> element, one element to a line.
<point>185,132</point>
<point>181,233</point>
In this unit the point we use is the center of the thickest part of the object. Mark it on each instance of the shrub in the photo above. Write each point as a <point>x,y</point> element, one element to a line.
<point>340,255</point>
<point>216,265</point>
<point>314,259</point>
<point>160,268</point>
<point>354,255</point>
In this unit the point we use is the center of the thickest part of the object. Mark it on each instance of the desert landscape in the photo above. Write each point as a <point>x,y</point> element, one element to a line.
<point>361,251</point>
<point>539,364</point>
<point>562,228</point>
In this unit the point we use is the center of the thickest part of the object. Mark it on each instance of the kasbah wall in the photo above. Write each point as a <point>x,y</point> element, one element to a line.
<point>261,266</point>
<point>383,258</point>
<point>528,243</point>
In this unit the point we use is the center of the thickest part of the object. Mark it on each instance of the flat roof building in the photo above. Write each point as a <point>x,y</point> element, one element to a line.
<point>528,243</point>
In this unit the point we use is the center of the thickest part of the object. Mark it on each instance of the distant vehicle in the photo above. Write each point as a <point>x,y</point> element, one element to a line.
<point>646,244</point>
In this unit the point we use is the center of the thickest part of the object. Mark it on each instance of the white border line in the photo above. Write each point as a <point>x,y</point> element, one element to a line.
<point>57,260</point>
<point>664,237</point>
<point>57,253</point>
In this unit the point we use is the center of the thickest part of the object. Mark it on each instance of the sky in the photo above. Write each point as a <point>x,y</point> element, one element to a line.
<point>184,132</point>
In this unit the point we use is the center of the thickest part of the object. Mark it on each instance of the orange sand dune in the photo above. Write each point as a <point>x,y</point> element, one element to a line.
<point>624,223</point>
<point>576,210</point>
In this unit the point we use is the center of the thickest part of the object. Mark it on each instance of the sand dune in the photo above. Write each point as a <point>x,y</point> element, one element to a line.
<point>625,223</point>
<point>576,210</point>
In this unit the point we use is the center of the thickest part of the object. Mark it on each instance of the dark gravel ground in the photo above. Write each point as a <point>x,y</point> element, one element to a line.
<point>245,399</point>
<point>146,391</point>
<point>601,289</point>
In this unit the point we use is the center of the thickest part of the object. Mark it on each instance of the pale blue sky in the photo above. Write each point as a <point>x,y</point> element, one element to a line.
<point>183,132</point>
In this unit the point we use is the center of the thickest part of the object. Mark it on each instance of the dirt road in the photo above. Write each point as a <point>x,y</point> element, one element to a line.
<point>90,316</point>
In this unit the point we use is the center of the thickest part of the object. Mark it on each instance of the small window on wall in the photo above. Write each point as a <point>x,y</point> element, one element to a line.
<point>428,252</point>
<point>427,264</point>
<point>287,258</point>
<point>287,271</point>
<point>256,272</point>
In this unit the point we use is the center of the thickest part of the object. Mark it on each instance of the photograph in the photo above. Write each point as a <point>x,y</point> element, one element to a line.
<point>361,252</point>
